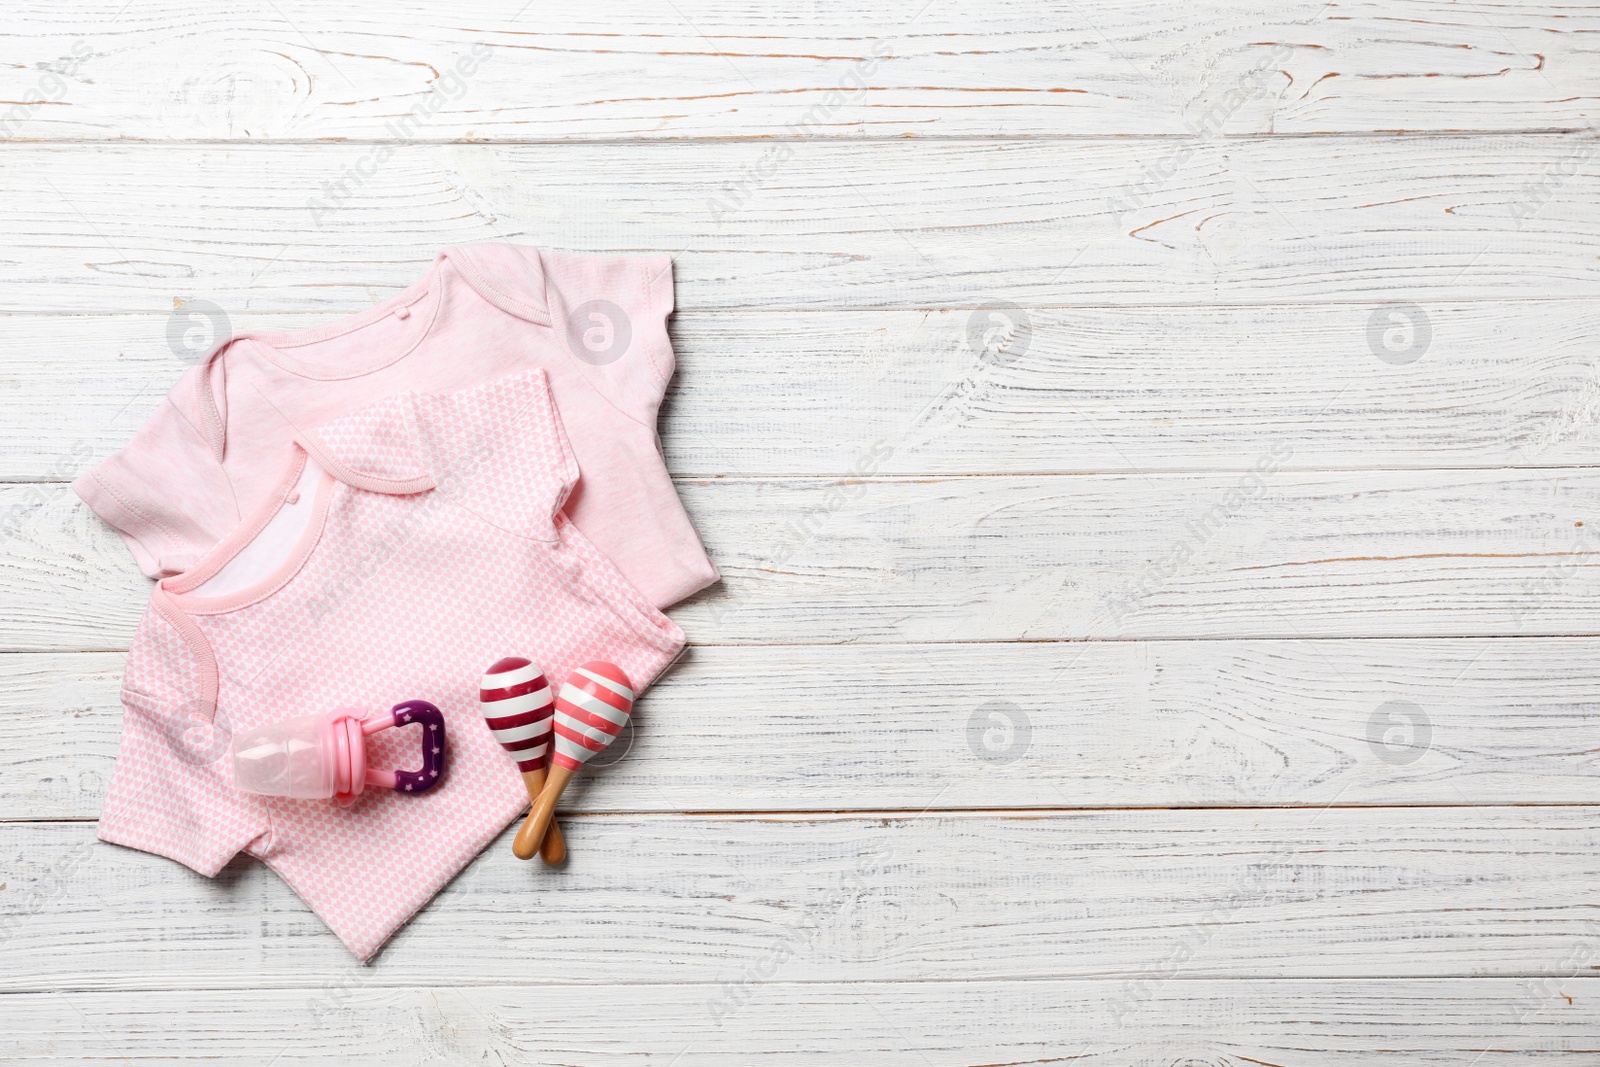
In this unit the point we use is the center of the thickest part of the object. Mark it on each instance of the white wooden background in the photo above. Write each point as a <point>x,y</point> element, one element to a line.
<point>1075,741</point>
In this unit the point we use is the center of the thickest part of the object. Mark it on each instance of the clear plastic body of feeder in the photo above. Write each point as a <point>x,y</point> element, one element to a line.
<point>293,758</point>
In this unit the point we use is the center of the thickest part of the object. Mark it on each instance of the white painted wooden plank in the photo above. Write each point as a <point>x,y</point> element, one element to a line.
<point>47,533</point>
<point>1263,554</point>
<point>889,560</point>
<point>1496,383</point>
<point>60,718</point>
<point>571,71</point>
<point>1463,892</point>
<point>1157,724</point>
<point>821,225</point>
<point>1009,390</point>
<point>915,1024</point>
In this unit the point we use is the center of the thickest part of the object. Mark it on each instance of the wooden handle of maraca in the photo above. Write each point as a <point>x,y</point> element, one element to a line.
<point>554,847</point>
<point>542,816</point>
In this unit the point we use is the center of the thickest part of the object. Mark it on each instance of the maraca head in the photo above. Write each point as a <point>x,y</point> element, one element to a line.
<point>517,704</point>
<point>594,705</point>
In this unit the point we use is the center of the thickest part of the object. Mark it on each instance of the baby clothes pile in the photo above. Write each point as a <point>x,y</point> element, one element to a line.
<point>373,511</point>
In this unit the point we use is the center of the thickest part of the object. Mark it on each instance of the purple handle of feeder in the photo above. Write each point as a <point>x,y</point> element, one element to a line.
<point>431,719</point>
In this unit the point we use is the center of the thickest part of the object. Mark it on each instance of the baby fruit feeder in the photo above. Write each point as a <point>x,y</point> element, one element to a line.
<point>314,757</point>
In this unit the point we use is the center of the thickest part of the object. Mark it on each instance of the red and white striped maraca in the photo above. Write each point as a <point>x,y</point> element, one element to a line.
<point>519,708</point>
<point>593,707</point>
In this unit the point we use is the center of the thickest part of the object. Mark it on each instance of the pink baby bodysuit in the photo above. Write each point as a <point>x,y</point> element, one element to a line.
<point>401,550</point>
<point>596,324</point>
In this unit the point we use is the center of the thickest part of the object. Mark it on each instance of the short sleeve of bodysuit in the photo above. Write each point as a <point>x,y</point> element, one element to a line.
<point>133,490</point>
<point>610,311</point>
<point>497,451</point>
<point>171,794</point>
<point>490,451</point>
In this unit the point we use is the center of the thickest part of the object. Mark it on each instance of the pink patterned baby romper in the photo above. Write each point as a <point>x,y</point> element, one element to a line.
<point>407,546</point>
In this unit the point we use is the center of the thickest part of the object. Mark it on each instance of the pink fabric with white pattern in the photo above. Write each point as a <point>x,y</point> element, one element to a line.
<point>460,556</point>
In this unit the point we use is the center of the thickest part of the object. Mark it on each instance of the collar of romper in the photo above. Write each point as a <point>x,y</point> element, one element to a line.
<point>430,287</point>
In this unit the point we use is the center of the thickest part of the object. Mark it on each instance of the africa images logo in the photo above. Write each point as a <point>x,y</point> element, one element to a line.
<point>599,332</point>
